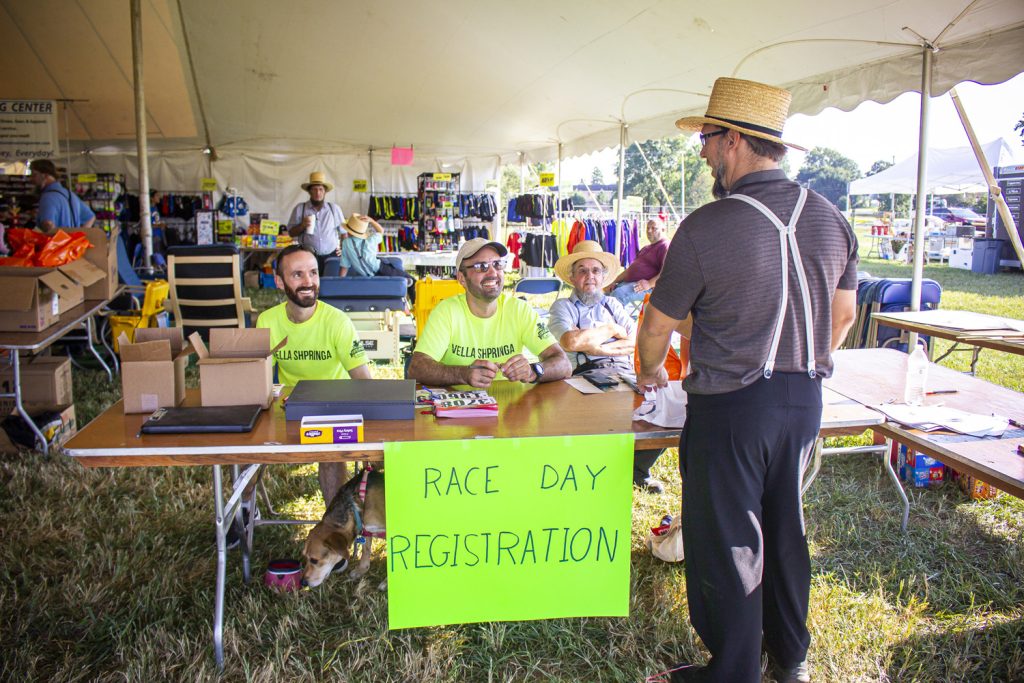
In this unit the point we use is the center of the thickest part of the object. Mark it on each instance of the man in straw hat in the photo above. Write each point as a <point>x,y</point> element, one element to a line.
<point>769,274</point>
<point>359,251</point>
<point>479,336</point>
<point>595,330</point>
<point>318,222</point>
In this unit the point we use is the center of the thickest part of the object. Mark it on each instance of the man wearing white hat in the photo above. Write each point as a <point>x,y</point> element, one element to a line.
<point>769,274</point>
<point>318,222</point>
<point>479,336</point>
<point>595,330</point>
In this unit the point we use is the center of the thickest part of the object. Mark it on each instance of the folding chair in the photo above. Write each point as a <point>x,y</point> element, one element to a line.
<point>206,288</point>
<point>538,286</point>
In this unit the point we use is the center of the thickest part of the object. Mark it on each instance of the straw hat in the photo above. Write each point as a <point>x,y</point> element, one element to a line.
<point>752,108</point>
<point>356,225</point>
<point>584,250</point>
<point>317,178</point>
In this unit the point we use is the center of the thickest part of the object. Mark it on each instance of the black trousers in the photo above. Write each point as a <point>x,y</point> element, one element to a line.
<point>643,461</point>
<point>742,456</point>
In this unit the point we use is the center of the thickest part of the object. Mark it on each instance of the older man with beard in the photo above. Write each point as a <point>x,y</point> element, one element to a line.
<point>322,342</point>
<point>595,330</point>
<point>318,223</point>
<point>473,338</point>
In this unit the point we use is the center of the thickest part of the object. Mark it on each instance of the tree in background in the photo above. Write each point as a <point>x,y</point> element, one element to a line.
<point>664,157</point>
<point>878,167</point>
<point>828,173</point>
<point>597,176</point>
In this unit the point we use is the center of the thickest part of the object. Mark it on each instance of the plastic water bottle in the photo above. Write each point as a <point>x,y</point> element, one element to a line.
<point>917,375</point>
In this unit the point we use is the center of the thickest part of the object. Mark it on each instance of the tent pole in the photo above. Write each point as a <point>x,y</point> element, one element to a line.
<point>682,184</point>
<point>922,173</point>
<point>146,227</point>
<point>622,179</point>
<point>369,154</point>
<point>558,187</point>
<point>990,180</point>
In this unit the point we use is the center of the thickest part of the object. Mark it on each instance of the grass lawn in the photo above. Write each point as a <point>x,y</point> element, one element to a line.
<point>107,575</point>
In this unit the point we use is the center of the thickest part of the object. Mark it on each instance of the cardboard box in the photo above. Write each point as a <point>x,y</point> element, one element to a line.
<point>237,368</point>
<point>153,368</point>
<point>31,300</point>
<point>331,429</point>
<point>79,274</point>
<point>103,255</point>
<point>56,432</point>
<point>44,379</point>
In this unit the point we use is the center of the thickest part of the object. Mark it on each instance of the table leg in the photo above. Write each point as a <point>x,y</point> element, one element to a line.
<point>221,525</point>
<point>818,447</point>
<point>44,446</point>
<point>887,462</point>
<point>92,349</point>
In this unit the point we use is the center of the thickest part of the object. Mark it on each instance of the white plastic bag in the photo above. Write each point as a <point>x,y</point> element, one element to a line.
<point>665,407</point>
<point>668,547</point>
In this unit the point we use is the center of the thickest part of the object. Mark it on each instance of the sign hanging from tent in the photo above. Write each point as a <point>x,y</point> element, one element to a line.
<point>547,179</point>
<point>359,185</point>
<point>28,129</point>
<point>401,156</point>
<point>208,184</point>
<point>508,529</point>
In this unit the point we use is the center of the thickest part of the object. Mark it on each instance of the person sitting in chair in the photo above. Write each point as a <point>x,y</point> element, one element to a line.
<point>359,252</point>
<point>596,332</point>
<point>632,284</point>
<point>472,338</point>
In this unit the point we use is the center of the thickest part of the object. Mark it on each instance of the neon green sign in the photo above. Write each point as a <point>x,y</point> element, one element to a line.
<point>508,529</point>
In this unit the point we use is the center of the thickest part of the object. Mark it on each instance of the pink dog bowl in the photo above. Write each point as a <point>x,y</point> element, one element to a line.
<point>283,575</point>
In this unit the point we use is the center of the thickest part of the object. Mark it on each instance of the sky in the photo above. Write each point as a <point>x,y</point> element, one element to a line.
<point>874,132</point>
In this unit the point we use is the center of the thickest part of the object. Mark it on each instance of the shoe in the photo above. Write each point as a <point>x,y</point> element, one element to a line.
<point>794,674</point>
<point>650,484</point>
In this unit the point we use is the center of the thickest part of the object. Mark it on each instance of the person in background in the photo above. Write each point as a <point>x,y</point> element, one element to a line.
<point>472,338</point>
<point>764,326</point>
<point>318,222</point>
<point>639,278</point>
<point>59,207</point>
<point>596,332</point>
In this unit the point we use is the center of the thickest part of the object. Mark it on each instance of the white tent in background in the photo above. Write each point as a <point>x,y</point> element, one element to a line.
<point>950,171</point>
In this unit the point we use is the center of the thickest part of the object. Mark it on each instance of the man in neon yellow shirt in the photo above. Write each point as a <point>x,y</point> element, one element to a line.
<point>474,337</point>
<point>322,342</point>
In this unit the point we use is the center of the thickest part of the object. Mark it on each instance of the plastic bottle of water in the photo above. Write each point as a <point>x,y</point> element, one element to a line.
<point>917,375</point>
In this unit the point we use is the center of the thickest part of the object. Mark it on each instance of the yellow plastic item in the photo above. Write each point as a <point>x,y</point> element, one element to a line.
<point>152,305</point>
<point>429,292</point>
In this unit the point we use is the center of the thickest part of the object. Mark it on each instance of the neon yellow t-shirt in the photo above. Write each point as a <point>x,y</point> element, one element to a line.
<point>454,336</point>
<point>324,347</point>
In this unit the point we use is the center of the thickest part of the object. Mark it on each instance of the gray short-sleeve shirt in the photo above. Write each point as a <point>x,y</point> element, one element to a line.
<point>724,266</point>
<point>566,315</point>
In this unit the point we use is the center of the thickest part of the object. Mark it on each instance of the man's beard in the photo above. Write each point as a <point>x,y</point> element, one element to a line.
<point>316,204</point>
<point>478,291</point>
<point>590,298</point>
<point>303,300</point>
<point>718,190</point>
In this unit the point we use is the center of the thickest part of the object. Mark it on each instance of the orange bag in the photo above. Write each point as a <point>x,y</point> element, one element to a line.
<point>676,362</point>
<point>62,248</point>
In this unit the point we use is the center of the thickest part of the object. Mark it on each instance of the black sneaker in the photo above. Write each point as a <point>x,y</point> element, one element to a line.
<point>795,674</point>
<point>651,485</point>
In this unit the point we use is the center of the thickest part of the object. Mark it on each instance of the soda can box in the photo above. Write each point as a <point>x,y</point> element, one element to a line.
<point>331,429</point>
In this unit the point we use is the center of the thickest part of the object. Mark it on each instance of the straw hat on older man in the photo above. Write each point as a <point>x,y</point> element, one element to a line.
<point>584,250</point>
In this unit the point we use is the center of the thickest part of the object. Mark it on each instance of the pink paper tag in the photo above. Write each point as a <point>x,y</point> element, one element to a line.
<point>401,156</point>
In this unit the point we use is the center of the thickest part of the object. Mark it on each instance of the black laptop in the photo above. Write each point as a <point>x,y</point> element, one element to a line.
<point>204,420</point>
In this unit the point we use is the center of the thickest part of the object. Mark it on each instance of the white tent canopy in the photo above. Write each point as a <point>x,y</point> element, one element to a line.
<point>950,171</point>
<point>472,79</point>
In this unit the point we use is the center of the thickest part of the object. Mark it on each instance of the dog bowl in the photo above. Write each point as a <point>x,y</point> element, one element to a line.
<point>283,575</point>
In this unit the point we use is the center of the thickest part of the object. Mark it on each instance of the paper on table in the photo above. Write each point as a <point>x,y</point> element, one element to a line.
<point>930,418</point>
<point>583,386</point>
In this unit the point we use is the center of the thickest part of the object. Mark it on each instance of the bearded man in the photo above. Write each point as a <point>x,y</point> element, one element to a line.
<point>322,342</point>
<point>472,338</point>
<point>318,223</point>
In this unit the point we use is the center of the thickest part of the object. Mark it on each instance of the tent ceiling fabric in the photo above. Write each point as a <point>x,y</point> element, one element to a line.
<point>470,78</point>
<point>950,171</point>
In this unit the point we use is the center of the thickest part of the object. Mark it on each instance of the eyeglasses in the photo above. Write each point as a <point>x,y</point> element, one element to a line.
<point>704,137</point>
<point>484,266</point>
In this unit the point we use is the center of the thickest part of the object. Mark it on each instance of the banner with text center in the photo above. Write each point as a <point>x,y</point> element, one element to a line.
<point>508,529</point>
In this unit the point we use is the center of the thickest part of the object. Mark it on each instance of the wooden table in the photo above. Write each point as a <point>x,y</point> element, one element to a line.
<point>876,376</point>
<point>77,317</point>
<point>553,409</point>
<point>977,330</point>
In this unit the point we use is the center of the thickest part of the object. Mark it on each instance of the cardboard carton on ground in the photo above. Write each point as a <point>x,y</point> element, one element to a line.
<point>103,255</point>
<point>31,299</point>
<point>153,368</point>
<point>56,432</point>
<point>44,379</point>
<point>237,368</point>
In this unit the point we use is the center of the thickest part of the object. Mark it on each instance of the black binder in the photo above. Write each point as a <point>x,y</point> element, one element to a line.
<point>374,399</point>
<point>205,420</point>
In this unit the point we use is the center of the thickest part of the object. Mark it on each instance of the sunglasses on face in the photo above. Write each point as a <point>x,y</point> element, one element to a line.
<point>704,137</point>
<point>484,266</point>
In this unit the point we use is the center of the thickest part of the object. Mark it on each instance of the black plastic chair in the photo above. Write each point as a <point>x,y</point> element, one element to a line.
<point>206,288</point>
